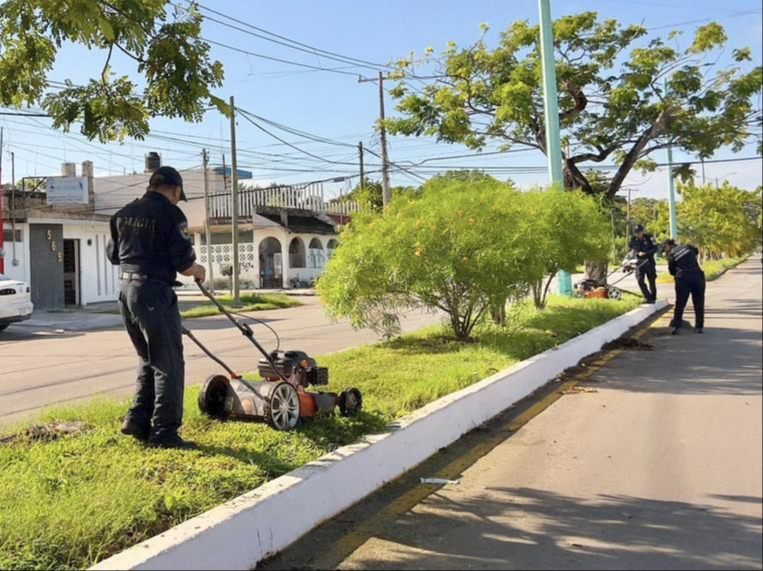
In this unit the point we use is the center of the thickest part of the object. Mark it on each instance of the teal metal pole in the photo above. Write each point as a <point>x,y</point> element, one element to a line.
<point>551,105</point>
<point>551,96</point>
<point>672,189</point>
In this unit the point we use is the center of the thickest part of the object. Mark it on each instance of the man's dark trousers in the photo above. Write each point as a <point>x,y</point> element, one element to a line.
<point>150,312</point>
<point>695,287</point>
<point>648,272</point>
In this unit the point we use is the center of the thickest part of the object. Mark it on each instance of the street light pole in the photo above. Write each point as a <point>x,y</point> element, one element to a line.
<point>671,189</point>
<point>551,105</point>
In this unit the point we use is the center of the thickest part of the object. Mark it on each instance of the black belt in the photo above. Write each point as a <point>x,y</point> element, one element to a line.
<point>133,277</point>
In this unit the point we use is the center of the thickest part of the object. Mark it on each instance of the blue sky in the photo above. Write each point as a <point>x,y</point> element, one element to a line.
<point>337,106</point>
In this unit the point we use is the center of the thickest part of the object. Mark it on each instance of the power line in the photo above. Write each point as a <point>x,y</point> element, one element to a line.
<point>280,60</point>
<point>310,49</point>
<point>281,40</point>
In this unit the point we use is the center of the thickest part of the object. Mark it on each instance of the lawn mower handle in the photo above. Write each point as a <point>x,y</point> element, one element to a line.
<point>246,331</point>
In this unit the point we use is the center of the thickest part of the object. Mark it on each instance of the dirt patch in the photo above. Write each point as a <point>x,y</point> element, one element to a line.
<point>578,389</point>
<point>628,344</point>
<point>46,432</point>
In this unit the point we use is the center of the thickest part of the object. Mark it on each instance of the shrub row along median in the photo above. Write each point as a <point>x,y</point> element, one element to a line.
<point>70,502</point>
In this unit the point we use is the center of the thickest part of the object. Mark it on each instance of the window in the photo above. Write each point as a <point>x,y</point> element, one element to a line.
<point>297,256</point>
<point>8,236</point>
<point>316,258</point>
<point>333,245</point>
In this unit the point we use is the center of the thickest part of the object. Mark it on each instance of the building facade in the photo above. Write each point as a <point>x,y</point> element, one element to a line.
<point>286,234</point>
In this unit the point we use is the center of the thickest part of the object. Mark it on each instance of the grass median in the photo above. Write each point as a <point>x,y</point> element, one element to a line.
<point>249,302</point>
<point>714,269</point>
<point>67,503</point>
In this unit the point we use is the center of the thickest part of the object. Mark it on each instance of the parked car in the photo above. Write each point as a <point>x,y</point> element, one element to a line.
<point>15,302</point>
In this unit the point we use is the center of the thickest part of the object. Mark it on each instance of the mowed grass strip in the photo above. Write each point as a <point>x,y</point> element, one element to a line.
<point>713,269</point>
<point>249,302</point>
<point>69,503</point>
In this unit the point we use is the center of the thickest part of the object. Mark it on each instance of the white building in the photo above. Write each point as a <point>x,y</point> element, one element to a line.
<point>286,234</point>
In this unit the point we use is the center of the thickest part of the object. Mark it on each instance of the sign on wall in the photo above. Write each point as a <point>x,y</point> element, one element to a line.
<point>67,190</point>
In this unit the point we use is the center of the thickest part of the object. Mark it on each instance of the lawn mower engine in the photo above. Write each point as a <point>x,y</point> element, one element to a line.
<point>281,398</point>
<point>593,289</point>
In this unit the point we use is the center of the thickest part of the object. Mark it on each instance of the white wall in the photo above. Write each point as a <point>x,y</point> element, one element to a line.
<point>99,279</point>
<point>249,255</point>
<point>20,271</point>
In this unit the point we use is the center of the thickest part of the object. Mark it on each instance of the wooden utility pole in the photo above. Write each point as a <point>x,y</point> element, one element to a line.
<point>207,223</point>
<point>362,166</point>
<point>234,206</point>
<point>386,195</point>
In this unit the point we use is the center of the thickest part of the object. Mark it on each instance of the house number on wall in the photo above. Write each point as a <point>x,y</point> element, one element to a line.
<point>54,247</point>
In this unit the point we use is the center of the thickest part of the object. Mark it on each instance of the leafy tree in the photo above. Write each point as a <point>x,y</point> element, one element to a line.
<point>720,221</point>
<point>460,247</point>
<point>171,59</point>
<point>568,228</point>
<point>623,96</point>
<point>370,193</point>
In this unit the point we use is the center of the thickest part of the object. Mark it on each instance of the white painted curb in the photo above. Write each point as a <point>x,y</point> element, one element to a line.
<point>244,531</point>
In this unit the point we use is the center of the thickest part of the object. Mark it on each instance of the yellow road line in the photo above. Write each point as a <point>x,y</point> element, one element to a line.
<point>333,554</point>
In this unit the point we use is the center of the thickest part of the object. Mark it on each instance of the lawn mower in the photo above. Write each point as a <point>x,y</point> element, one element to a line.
<point>281,397</point>
<point>590,288</point>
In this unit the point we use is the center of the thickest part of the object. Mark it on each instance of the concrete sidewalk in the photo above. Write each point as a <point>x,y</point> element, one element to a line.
<point>654,463</point>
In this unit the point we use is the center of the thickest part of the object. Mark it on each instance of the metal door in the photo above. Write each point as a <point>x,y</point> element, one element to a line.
<point>46,254</point>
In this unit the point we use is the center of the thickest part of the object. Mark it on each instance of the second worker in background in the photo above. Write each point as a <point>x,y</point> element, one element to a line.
<point>644,247</point>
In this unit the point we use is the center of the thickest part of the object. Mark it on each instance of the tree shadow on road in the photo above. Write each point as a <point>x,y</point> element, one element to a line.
<point>521,528</point>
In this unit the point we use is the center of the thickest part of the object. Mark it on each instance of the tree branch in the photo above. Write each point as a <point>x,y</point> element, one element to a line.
<point>633,155</point>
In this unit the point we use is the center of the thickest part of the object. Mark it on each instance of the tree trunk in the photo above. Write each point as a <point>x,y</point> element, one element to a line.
<point>498,314</point>
<point>597,271</point>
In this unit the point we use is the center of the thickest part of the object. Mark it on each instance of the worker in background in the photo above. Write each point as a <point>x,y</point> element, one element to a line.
<point>150,243</point>
<point>690,281</point>
<point>644,247</point>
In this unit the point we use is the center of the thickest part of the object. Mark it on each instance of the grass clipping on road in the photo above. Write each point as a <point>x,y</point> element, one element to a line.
<point>249,302</point>
<point>67,503</point>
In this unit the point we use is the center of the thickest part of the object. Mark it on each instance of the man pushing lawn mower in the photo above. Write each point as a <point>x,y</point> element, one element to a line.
<point>644,247</point>
<point>150,244</point>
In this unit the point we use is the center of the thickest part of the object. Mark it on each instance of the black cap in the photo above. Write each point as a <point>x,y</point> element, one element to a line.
<point>167,176</point>
<point>638,228</point>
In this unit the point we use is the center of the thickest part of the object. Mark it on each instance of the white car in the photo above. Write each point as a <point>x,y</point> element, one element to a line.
<point>15,302</point>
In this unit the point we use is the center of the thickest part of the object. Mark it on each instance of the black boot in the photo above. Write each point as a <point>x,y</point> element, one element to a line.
<point>139,431</point>
<point>699,330</point>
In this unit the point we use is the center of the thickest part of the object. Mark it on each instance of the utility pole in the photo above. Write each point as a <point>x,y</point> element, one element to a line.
<point>553,130</point>
<point>704,175</point>
<point>207,224</point>
<point>386,196</point>
<point>15,260</point>
<point>2,222</point>
<point>362,166</point>
<point>225,175</point>
<point>628,217</point>
<point>234,206</point>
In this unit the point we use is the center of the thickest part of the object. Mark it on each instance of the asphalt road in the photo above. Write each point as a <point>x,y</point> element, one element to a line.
<point>654,463</point>
<point>61,358</point>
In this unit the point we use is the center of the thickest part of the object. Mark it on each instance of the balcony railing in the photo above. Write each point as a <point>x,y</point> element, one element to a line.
<point>308,197</point>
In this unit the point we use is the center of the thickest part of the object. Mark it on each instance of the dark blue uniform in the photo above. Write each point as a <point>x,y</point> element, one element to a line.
<point>150,244</point>
<point>648,248</point>
<point>690,281</point>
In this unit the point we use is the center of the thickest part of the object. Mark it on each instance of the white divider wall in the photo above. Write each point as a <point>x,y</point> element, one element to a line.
<point>261,523</point>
